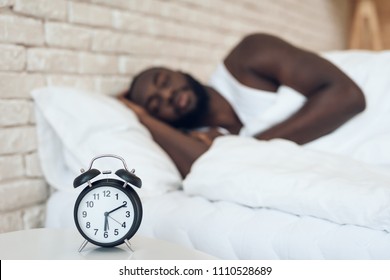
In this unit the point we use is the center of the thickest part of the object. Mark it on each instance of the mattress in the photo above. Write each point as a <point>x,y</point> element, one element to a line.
<point>231,231</point>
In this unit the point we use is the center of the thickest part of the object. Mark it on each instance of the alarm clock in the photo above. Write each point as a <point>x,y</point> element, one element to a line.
<point>108,211</point>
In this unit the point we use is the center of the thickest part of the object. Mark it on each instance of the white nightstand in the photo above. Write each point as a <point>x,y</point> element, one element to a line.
<point>60,244</point>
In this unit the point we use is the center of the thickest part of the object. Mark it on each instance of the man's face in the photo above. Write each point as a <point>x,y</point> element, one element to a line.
<point>170,96</point>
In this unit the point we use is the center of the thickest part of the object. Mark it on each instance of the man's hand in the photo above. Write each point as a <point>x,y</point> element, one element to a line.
<point>138,110</point>
<point>183,148</point>
<point>207,137</point>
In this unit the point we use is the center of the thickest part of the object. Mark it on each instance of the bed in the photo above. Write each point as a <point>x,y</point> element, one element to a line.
<point>243,199</point>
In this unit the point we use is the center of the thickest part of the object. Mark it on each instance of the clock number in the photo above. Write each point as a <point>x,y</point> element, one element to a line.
<point>116,232</point>
<point>124,225</point>
<point>89,204</point>
<point>105,234</point>
<point>117,196</point>
<point>124,203</point>
<point>127,214</point>
<point>107,193</point>
<point>96,231</point>
<point>96,196</point>
<point>88,225</point>
<point>84,214</point>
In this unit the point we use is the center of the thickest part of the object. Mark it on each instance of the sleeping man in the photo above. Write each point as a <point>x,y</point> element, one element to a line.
<point>261,74</point>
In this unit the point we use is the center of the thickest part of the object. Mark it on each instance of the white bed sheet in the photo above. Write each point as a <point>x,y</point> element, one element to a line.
<point>231,231</point>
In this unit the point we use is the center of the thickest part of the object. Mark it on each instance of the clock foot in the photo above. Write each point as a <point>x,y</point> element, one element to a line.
<point>85,242</point>
<point>128,244</point>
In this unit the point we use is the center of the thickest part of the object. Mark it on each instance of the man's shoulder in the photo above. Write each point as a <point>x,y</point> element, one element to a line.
<point>259,37</point>
<point>255,47</point>
<point>259,42</point>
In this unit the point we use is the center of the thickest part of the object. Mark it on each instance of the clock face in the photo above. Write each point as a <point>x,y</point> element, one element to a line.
<point>106,214</point>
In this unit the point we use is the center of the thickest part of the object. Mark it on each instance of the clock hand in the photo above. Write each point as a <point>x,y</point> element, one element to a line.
<point>115,220</point>
<point>106,227</point>
<point>119,207</point>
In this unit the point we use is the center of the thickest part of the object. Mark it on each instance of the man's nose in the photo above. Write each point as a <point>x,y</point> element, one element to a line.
<point>166,94</point>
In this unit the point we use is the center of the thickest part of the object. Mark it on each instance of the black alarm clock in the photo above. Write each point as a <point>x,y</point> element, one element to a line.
<point>108,211</point>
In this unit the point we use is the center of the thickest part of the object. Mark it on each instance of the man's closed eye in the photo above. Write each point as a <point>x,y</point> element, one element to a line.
<point>153,105</point>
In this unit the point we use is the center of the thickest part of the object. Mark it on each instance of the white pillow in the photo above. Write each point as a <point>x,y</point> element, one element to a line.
<point>75,126</point>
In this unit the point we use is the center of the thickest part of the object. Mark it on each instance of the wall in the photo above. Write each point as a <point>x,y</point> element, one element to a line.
<point>370,26</point>
<point>383,10</point>
<point>99,45</point>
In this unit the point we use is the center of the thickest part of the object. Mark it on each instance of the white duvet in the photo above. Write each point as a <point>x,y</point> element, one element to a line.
<point>281,175</point>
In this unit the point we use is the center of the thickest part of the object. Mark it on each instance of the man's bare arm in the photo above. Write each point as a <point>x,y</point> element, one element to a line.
<point>320,115</point>
<point>332,97</point>
<point>182,148</point>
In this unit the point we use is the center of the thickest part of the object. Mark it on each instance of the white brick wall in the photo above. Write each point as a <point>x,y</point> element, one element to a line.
<point>46,9</point>
<point>98,45</point>
<point>13,58</point>
<point>68,36</point>
<point>21,30</point>
<point>16,85</point>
